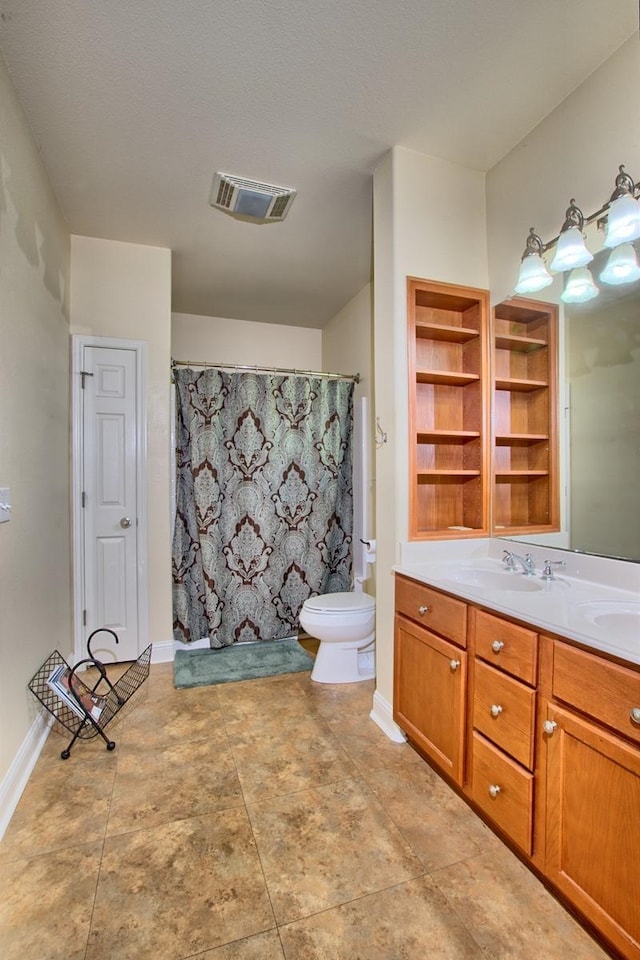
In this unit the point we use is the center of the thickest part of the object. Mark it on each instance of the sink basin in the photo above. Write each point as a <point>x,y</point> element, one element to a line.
<point>494,580</point>
<point>621,617</point>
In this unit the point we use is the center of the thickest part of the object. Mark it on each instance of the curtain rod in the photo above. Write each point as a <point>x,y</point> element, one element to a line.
<point>259,369</point>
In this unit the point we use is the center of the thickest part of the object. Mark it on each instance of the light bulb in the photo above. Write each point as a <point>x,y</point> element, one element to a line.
<point>623,221</point>
<point>533,275</point>
<point>622,266</point>
<point>571,251</point>
<point>580,287</point>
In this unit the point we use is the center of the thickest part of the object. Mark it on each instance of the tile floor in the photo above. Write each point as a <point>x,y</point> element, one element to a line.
<point>265,820</point>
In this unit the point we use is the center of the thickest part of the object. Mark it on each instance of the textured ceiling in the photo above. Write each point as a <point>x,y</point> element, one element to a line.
<point>135,105</point>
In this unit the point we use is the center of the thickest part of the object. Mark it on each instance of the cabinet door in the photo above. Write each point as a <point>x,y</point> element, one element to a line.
<point>429,694</point>
<point>593,826</point>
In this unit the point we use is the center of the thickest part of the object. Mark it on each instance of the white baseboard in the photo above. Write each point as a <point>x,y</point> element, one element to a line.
<point>162,652</point>
<point>17,776</point>
<point>382,714</point>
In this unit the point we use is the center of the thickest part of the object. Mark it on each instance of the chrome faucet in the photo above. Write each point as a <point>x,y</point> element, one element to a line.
<point>548,571</point>
<point>527,563</point>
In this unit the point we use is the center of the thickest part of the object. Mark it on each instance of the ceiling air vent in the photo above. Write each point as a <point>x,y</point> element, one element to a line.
<point>250,200</point>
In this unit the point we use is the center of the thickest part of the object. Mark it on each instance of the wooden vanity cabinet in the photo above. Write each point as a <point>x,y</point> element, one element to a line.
<point>430,673</point>
<point>591,752</point>
<point>503,724</point>
<point>543,739</point>
<point>449,386</point>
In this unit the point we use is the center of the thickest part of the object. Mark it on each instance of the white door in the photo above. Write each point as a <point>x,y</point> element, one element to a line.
<point>109,506</point>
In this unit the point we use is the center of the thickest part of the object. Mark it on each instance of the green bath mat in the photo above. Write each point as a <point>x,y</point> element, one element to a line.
<point>242,661</point>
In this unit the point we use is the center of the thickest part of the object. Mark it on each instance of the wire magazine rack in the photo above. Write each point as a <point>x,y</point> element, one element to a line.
<point>85,711</point>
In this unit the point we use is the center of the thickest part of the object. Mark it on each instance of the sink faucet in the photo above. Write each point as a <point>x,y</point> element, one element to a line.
<point>527,563</point>
<point>548,572</point>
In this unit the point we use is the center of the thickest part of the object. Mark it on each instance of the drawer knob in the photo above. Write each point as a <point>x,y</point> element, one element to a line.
<point>423,609</point>
<point>497,646</point>
<point>454,664</point>
<point>494,790</point>
<point>496,710</point>
<point>549,726</point>
<point>635,715</point>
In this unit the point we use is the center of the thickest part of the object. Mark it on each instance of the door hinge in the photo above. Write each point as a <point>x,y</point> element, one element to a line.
<point>84,499</point>
<point>84,618</point>
<point>83,374</point>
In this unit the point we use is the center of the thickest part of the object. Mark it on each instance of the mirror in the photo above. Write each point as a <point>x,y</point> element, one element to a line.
<point>601,456</point>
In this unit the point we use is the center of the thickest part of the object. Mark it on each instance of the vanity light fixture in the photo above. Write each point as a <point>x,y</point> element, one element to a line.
<point>579,287</point>
<point>622,266</point>
<point>621,213</point>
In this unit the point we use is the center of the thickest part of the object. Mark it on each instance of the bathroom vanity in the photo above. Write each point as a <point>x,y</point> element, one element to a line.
<point>524,693</point>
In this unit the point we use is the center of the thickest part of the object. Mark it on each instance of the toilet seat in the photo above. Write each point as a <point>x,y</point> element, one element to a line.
<point>340,603</point>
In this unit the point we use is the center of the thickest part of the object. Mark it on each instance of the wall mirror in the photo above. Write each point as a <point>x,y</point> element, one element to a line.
<point>600,367</point>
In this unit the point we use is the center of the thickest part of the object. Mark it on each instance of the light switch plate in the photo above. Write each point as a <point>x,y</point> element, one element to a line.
<point>5,504</point>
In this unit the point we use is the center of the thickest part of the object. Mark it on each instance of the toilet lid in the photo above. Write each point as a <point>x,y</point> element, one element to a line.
<point>340,602</point>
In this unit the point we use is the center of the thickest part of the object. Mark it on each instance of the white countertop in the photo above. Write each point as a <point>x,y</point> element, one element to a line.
<point>594,601</point>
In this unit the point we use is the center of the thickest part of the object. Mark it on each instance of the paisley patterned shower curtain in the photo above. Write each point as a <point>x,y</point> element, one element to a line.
<point>264,501</point>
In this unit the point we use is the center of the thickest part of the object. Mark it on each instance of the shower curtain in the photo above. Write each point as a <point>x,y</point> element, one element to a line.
<point>264,501</point>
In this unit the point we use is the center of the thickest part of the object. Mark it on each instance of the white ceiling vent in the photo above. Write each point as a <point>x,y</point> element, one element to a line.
<point>250,200</point>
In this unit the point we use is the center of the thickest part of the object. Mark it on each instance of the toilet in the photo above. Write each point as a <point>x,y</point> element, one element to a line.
<point>344,623</point>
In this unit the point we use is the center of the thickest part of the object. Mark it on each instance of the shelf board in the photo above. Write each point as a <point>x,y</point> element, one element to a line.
<point>506,475</point>
<point>505,341</point>
<point>451,378</point>
<point>441,331</point>
<point>520,439</point>
<point>519,386</point>
<point>438,476</point>
<point>446,436</point>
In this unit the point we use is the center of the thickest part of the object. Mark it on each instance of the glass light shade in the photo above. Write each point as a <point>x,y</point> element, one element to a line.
<point>622,266</point>
<point>571,251</point>
<point>533,275</point>
<point>623,221</point>
<point>580,287</point>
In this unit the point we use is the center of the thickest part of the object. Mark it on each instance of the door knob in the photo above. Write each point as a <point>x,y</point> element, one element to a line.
<point>635,715</point>
<point>125,522</point>
<point>494,790</point>
<point>549,726</point>
<point>496,710</point>
<point>497,646</point>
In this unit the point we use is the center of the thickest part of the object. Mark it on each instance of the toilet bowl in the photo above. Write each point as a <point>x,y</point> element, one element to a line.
<point>344,623</point>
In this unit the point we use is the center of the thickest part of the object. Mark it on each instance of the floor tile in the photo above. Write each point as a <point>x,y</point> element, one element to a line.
<point>61,804</point>
<point>184,715</point>
<point>173,783</point>
<point>254,704</point>
<point>282,761</point>
<point>46,903</point>
<point>369,748</point>
<point>179,889</point>
<point>438,825</point>
<point>411,921</point>
<point>335,701</point>
<point>509,912</point>
<point>323,847</point>
<point>266,946</point>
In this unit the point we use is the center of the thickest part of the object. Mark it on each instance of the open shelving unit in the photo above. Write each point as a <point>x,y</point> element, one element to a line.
<point>448,410</point>
<point>525,491</point>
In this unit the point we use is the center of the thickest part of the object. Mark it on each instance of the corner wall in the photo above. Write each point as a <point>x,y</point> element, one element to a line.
<point>124,290</point>
<point>429,222</point>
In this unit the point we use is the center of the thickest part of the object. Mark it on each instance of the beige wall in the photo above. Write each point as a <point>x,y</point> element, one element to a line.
<point>429,221</point>
<point>124,290</point>
<point>347,347</point>
<point>220,340</point>
<point>35,606</point>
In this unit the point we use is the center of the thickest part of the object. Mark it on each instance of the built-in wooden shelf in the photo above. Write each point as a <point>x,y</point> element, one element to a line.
<point>525,492</point>
<point>448,410</point>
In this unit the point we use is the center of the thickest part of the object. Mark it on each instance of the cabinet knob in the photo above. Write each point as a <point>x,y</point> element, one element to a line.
<point>549,726</point>
<point>497,646</point>
<point>423,609</point>
<point>494,790</point>
<point>496,710</point>
<point>454,664</point>
<point>635,715</point>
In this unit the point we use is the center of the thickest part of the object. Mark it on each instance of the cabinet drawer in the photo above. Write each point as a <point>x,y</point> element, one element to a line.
<point>507,646</point>
<point>504,711</point>
<point>432,610</point>
<point>603,690</point>
<point>503,790</point>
